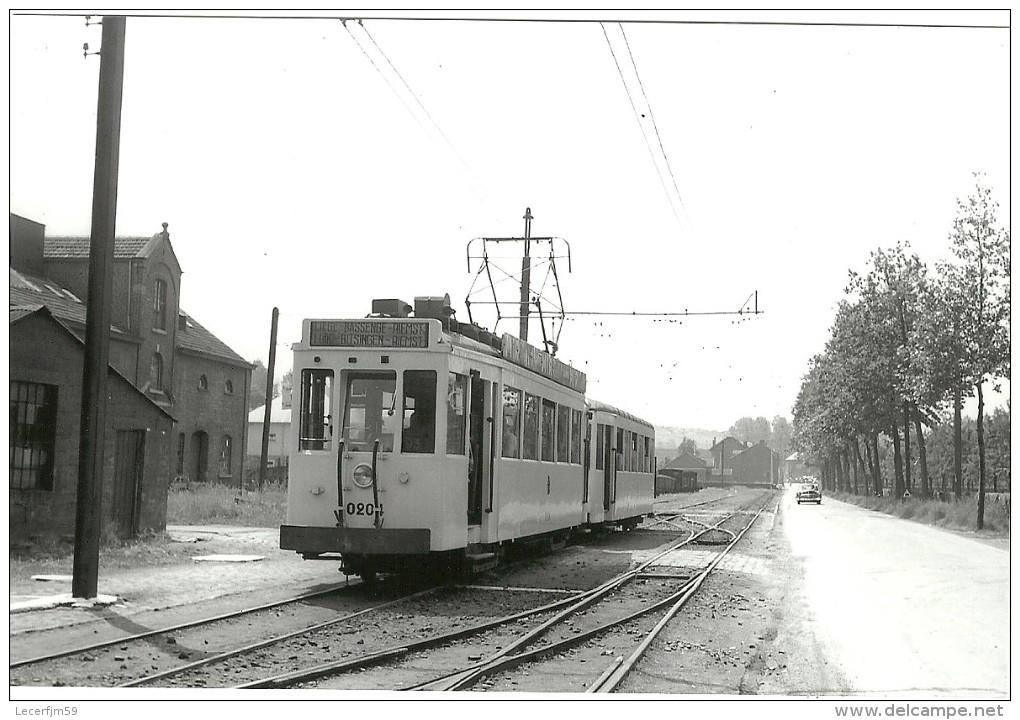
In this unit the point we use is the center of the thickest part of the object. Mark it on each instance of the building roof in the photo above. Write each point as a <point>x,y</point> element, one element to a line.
<point>42,311</point>
<point>76,248</point>
<point>277,413</point>
<point>193,337</point>
<point>686,461</point>
<point>31,291</point>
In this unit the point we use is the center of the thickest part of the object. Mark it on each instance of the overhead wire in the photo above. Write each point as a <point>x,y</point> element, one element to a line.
<point>475,183</point>
<point>651,116</point>
<point>637,116</point>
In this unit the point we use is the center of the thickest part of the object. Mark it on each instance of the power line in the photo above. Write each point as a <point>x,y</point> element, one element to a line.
<point>651,116</point>
<point>637,116</point>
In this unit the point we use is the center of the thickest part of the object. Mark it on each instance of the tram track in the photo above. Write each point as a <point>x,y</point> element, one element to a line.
<point>506,634</point>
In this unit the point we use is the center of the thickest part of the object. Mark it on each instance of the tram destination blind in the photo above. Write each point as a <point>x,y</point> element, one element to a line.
<point>361,333</point>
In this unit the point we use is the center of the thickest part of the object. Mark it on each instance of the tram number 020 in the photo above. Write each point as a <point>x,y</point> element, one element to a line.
<point>363,509</point>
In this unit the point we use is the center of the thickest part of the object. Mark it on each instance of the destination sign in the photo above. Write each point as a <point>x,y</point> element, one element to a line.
<point>368,333</point>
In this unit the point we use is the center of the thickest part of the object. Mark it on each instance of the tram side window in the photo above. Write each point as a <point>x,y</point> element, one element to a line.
<point>511,422</point>
<point>562,433</point>
<point>419,412</point>
<point>620,447</point>
<point>599,445</point>
<point>316,420</point>
<point>368,414</point>
<point>646,465</point>
<point>531,411</point>
<point>548,430</point>
<point>456,413</point>
<point>575,437</point>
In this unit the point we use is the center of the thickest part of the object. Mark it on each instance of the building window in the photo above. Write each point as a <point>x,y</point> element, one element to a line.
<point>33,435</point>
<point>156,372</point>
<point>228,387</point>
<point>203,382</point>
<point>159,306</point>
<point>225,453</point>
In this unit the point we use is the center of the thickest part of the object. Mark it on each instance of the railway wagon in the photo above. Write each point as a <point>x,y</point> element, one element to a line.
<point>420,441</point>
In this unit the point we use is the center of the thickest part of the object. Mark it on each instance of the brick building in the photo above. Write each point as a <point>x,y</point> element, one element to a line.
<point>757,465</point>
<point>173,363</point>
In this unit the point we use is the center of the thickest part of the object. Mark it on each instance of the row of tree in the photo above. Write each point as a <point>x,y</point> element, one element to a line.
<point>908,345</point>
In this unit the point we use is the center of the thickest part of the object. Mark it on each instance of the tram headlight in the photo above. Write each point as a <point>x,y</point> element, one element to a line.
<point>363,476</point>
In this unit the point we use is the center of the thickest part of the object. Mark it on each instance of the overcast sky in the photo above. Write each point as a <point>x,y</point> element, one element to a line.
<point>315,165</point>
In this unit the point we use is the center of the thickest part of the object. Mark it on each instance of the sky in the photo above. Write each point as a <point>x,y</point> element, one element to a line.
<point>692,162</point>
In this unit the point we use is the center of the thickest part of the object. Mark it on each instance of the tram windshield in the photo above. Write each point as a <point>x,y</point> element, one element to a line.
<point>369,411</point>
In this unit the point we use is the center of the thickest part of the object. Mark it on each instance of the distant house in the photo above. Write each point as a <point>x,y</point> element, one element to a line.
<point>279,433</point>
<point>197,383</point>
<point>683,473</point>
<point>722,452</point>
<point>757,465</point>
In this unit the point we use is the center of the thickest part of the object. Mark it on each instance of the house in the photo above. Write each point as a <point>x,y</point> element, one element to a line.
<point>756,465</point>
<point>720,470</point>
<point>279,433</point>
<point>169,358</point>
<point>46,361</point>
<point>683,473</point>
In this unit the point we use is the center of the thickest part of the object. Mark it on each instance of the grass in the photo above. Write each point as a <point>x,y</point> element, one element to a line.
<point>199,505</point>
<point>221,505</point>
<point>951,515</point>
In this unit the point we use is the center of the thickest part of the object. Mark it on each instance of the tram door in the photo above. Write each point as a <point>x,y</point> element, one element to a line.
<point>608,465</point>
<point>476,457</point>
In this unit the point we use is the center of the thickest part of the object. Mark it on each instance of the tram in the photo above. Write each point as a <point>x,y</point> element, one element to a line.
<point>421,442</point>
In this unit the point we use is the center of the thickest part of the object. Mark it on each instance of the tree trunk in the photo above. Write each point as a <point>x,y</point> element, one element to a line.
<point>957,444</point>
<point>922,454</point>
<point>854,459</point>
<point>981,456</point>
<point>898,486</point>
<point>840,481</point>
<point>877,476</point>
<point>908,484</point>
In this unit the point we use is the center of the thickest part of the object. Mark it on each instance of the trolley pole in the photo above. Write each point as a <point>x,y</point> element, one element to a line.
<point>269,397</point>
<point>88,515</point>
<point>526,275</point>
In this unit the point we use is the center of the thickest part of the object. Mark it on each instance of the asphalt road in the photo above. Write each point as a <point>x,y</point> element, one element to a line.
<point>885,607</point>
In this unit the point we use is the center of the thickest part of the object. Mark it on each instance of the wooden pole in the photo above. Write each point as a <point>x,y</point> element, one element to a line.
<point>99,311</point>
<point>269,398</point>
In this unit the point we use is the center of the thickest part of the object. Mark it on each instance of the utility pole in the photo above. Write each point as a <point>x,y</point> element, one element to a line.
<point>99,311</point>
<point>269,397</point>
<point>526,275</point>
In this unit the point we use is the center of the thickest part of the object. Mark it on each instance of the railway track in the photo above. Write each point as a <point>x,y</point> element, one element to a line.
<point>320,638</point>
<point>634,604</point>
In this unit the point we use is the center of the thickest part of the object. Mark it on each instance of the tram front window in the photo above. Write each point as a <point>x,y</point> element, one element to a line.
<point>419,412</point>
<point>369,411</point>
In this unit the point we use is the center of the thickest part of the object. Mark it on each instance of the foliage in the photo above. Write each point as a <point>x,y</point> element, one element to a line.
<point>950,515</point>
<point>259,379</point>
<point>687,445</point>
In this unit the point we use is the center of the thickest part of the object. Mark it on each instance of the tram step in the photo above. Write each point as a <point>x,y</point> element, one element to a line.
<point>481,562</point>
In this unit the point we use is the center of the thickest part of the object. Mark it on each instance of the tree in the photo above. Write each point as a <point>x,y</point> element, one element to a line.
<point>687,445</point>
<point>259,378</point>
<point>981,249</point>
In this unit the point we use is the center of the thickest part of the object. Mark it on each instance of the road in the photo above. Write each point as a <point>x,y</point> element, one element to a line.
<point>885,607</point>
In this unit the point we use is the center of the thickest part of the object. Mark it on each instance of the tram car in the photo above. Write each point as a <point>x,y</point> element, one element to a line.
<point>421,442</point>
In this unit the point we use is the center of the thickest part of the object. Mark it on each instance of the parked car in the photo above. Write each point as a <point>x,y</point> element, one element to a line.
<point>809,492</point>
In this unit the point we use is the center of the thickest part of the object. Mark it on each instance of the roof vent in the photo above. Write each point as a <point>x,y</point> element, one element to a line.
<point>391,308</point>
<point>437,308</point>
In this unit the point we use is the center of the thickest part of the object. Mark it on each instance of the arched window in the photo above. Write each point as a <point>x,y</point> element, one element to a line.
<point>156,372</point>
<point>228,387</point>
<point>225,453</point>
<point>159,305</point>
<point>203,382</point>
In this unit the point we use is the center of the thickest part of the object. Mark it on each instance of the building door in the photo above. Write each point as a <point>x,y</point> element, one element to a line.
<point>199,456</point>
<point>128,465</point>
